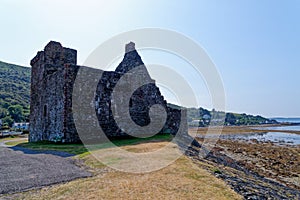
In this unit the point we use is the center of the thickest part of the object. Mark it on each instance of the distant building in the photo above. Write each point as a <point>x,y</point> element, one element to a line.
<point>206,118</point>
<point>22,126</point>
<point>195,122</point>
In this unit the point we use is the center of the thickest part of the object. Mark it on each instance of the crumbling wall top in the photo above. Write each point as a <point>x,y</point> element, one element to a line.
<point>54,53</point>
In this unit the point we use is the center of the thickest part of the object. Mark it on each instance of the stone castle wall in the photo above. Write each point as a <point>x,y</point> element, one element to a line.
<point>53,74</point>
<point>48,79</point>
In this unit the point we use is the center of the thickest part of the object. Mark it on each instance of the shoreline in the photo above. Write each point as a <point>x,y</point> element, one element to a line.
<point>265,160</point>
<point>242,129</point>
<point>252,172</point>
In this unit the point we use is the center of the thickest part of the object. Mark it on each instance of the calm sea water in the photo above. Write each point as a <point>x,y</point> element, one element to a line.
<point>290,120</point>
<point>276,137</point>
<point>279,137</point>
<point>284,128</point>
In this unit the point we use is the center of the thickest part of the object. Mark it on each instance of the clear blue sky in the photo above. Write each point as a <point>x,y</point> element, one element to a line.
<point>254,44</point>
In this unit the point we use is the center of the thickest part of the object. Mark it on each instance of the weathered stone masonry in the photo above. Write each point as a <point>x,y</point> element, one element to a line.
<point>53,74</point>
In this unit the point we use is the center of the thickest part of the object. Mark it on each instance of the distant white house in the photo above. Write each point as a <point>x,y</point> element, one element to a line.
<point>22,126</point>
<point>206,118</point>
<point>195,122</point>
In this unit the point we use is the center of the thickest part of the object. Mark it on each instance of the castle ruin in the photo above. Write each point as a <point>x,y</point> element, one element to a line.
<point>53,75</point>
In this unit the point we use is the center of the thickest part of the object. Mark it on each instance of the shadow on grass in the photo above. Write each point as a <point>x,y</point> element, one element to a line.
<point>27,150</point>
<point>67,150</point>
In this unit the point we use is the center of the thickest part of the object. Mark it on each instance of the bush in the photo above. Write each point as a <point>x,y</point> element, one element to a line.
<point>7,121</point>
<point>5,127</point>
<point>217,171</point>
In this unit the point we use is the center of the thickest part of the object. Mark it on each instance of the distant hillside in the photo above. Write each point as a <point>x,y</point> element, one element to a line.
<point>15,99</point>
<point>203,117</point>
<point>14,93</point>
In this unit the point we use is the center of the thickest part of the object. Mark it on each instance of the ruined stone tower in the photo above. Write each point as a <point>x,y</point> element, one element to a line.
<point>49,108</point>
<point>53,74</point>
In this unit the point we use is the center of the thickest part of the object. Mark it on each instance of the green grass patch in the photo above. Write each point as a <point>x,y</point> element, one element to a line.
<point>130,141</point>
<point>81,150</point>
<point>14,143</point>
<point>12,137</point>
<point>44,145</point>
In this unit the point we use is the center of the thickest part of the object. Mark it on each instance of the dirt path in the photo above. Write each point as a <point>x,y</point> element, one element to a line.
<point>3,143</point>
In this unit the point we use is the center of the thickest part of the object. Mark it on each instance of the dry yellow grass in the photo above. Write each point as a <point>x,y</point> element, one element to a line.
<point>12,141</point>
<point>180,180</point>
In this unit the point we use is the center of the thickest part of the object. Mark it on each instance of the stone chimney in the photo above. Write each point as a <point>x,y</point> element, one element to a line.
<point>131,59</point>
<point>130,47</point>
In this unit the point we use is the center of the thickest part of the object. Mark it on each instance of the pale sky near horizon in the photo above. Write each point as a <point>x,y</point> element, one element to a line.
<point>255,45</point>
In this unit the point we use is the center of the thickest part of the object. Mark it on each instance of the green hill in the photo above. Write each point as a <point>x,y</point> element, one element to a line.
<point>15,100</point>
<point>203,117</point>
<point>14,93</point>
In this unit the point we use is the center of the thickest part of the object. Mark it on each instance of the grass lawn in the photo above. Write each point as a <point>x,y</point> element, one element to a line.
<point>79,149</point>
<point>15,141</point>
<point>9,138</point>
<point>182,179</point>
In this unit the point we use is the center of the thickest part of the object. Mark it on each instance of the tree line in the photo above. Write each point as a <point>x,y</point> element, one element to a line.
<point>202,117</point>
<point>14,93</point>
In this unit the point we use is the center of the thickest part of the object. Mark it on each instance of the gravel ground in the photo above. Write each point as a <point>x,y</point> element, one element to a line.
<point>23,169</point>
